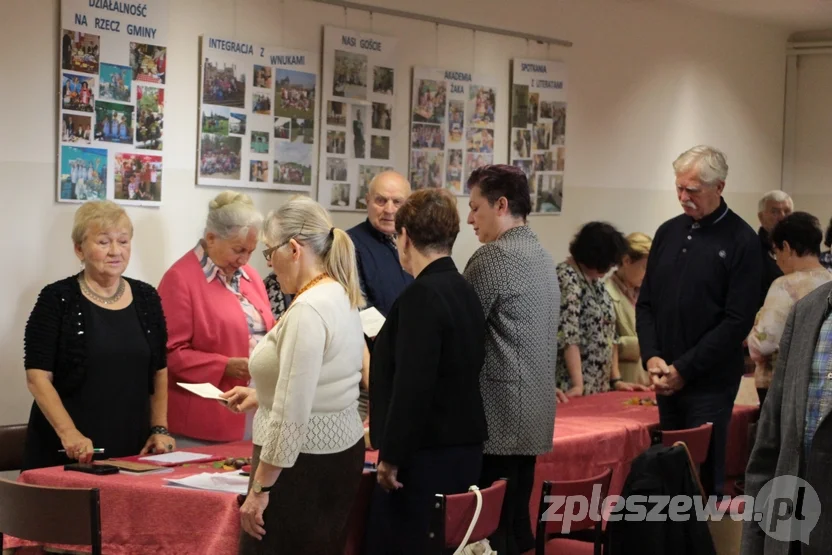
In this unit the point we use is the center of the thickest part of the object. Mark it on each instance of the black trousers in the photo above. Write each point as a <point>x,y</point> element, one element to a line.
<point>515,533</point>
<point>692,408</point>
<point>399,520</point>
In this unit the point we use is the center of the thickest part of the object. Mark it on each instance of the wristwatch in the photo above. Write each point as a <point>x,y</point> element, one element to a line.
<point>257,487</point>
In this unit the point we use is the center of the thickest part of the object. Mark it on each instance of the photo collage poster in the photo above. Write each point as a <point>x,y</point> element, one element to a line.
<point>358,97</point>
<point>538,130</point>
<point>257,116</point>
<point>113,58</point>
<point>452,127</point>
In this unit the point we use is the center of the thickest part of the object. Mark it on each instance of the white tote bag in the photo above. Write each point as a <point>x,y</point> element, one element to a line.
<point>481,547</point>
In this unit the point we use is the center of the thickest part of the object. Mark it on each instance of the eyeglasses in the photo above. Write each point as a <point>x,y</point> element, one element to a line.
<point>267,254</point>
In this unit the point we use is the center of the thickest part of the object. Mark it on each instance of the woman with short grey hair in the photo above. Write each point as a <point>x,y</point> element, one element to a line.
<point>217,311</point>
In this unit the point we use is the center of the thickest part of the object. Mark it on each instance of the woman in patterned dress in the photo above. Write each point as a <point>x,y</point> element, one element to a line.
<point>587,351</point>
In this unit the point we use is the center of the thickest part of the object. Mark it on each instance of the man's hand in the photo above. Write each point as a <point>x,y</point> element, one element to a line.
<point>657,368</point>
<point>386,475</point>
<point>670,383</point>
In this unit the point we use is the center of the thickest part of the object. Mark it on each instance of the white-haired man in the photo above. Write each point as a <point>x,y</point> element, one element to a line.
<point>771,210</point>
<point>696,305</point>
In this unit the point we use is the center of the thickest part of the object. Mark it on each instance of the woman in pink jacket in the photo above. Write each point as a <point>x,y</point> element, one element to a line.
<point>217,310</point>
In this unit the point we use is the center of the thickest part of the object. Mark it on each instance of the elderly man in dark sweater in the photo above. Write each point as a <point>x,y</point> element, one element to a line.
<point>771,210</point>
<point>697,304</point>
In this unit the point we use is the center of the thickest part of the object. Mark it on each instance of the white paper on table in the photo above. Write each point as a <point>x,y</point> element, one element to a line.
<point>204,390</point>
<point>371,321</point>
<point>176,457</point>
<point>226,482</point>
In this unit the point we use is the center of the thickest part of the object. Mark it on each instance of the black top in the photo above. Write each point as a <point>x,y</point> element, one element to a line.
<point>379,271</point>
<point>699,297</point>
<point>425,368</point>
<point>103,363</point>
<point>771,270</point>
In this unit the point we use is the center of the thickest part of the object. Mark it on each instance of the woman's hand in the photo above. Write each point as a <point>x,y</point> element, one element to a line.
<point>627,386</point>
<point>560,396</point>
<point>158,443</point>
<point>240,399</point>
<point>77,446</point>
<point>386,476</point>
<point>237,369</point>
<point>251,514</point>
<point>575,391</point>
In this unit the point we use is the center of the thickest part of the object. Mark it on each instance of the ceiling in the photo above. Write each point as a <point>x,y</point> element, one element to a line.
<point>793,15</point>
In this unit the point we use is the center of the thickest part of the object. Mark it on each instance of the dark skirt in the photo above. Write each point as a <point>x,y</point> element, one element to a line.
<point>309,505</point>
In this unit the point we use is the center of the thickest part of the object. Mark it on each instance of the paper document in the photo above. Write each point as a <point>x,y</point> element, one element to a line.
<point>227,482</point>
<point>371,321</point>
<point>204,390</point>
<point>176,457</point>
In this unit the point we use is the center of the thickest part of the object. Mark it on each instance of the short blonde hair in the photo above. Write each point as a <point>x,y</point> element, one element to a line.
<point>638,246</point>
<point>103,214</point>
<point>232,213</point>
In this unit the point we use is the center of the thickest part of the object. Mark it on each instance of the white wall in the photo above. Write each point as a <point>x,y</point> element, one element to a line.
<point>647,81</point>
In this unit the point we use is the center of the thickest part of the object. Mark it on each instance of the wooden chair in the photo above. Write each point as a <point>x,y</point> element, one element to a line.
<point>697,440</point>
<point>584,536</point>
<point>452,515</point>
<point>69,516</point>
<point>12,442</point>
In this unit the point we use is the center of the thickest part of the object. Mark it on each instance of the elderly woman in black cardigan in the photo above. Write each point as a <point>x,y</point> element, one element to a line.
<point>95,353</point>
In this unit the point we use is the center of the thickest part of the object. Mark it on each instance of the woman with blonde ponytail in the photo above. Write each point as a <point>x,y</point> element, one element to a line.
<point>308,436</point>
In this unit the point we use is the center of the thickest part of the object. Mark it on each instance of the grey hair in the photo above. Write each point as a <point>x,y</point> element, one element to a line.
<point>774,196</point>
<point>232,214</point>
<point>710,164</point>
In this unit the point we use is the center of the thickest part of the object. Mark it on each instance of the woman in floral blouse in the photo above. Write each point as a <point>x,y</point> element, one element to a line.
<point>796,242</point>
<point>587,351</point>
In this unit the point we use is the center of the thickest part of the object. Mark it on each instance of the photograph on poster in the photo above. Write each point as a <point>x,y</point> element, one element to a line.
<point>258,171</point>
<point>382,115</point>
<point>380,147</point>
<point>336,169</point>
<point>303,130</point>
<point>481,102</point>
<point>223,83</point>
<point>480,140</point>
<point>336,142</point>
<point>546,109</point>
<point>521,145</point>
<point>295,94</point>
<point>237,123</point>
<point>259,142</point>
<point>526,166</point>
<point>148,62</point>
<point>426,168</point>
<point>475,161</point>
<point>261,103</point>
<point>365,176</point>
<point>561,159</point>
<point>559,123</point>
<point>383,78</point>
<point>215,120</point>
<point>340,195</point>
<point>282,128</point>
<point>115,82</point>
<point>292,163</point>
<point>220,156</point>
<point>150,104</point>
<point>76,129</point>
<point>542,136</point>
<point>350,75</point>
<point>431,102</point>
<point>519,106</point>
<point>456,117</point>
<point>79,51</point>
<point>425,135</point>
<point>77,92</point>
<point>114,122</point>
<point>453,175</point>
<point>549,193</point>
<point>137,177</point>
<point>263,77</point>
<point>336,113</point>
<point>543,162</point>
<point>359,140</point>
<point>83,173</point>
<point>534,99</point>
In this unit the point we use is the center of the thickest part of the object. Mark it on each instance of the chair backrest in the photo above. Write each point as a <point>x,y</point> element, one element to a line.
<point>12,442</point>
<point>452,515</point>
<point>547,522</point>
<point>51,515</point>
<point>697,440</point>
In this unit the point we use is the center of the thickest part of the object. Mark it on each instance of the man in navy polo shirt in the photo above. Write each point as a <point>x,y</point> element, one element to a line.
<point>382,277</point>
<point>697,304</point>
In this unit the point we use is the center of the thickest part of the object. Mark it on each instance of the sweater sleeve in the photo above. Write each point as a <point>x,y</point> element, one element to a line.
<point>300,351</point>
<point>155,303</point>
<point>485,277</point>
<point>185,363</point>
<point>43,330</point>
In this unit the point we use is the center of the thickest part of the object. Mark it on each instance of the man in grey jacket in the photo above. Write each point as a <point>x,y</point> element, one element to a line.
<point>794,438</point>
<point>515,280</point>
